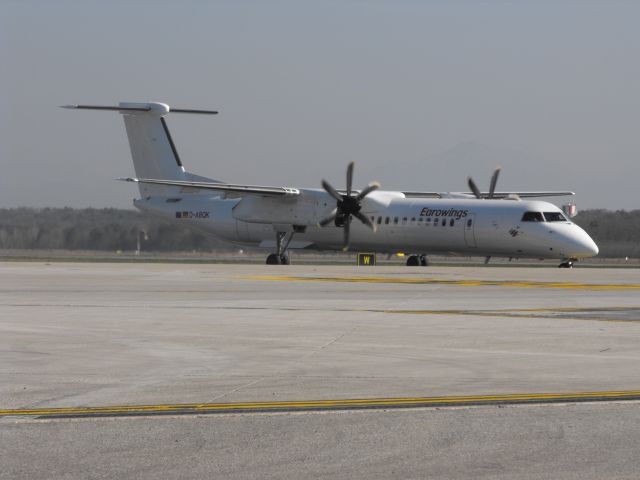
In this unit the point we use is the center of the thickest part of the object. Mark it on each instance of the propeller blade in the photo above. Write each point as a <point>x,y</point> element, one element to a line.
<point>367,190</point>
<point>474,188</point>
<point>494,181</point>
<point>331,191</point>
<point>347,227</point>
<point>327,220</point>
<point>350,177</point>
<point>366,220</point>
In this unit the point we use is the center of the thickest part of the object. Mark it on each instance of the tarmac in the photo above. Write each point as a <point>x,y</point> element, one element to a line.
<point>255,371</point>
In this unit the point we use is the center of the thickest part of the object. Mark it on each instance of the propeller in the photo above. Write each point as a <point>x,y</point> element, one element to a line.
<point>348,206</point>
<point>492,189</point>
<point>492,186</point>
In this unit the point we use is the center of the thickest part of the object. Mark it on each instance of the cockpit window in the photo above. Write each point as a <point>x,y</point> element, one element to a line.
<point>532,217</point>
<point>554,217</point>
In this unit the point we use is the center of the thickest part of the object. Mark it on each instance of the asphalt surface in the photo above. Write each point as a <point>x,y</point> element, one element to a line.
<point>568,442</point>
<point>90,336</point>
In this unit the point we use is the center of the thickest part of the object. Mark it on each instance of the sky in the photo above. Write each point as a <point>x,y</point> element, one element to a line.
<point>420,94</point>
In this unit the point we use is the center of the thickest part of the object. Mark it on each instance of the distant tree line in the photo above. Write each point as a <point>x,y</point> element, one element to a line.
<point>616,232</point>
<point>106,229</point>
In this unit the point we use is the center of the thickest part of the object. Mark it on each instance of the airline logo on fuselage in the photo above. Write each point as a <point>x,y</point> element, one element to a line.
<point>452,212</point>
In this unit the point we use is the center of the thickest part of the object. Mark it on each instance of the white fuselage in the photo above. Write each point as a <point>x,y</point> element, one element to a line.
<point>411,225</point>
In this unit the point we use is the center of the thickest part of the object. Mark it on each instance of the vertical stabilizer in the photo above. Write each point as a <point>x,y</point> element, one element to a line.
<point>152,149</point>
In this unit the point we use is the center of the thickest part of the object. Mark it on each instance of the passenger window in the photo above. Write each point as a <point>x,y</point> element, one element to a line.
<point>386,221</point>
<point>469,223</point>
<point>404,220</point>
<point>379,220</point>
<point>427,222</point>
<point>444,222</point>
<point>532,217</point>
<point>413,219</point>
<point>395,220</point>
<point>420,219</point>
<point>554,217</point>
<point>451,222</point>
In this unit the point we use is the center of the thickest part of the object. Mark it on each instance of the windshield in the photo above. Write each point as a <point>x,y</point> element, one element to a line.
<point>532,217</point>
<point>554,217</point>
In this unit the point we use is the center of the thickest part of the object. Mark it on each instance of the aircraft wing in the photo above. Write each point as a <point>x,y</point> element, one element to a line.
<point>523,194</point>
<point>225,187</point>
<point>423,194</point>
<point>496,195</point>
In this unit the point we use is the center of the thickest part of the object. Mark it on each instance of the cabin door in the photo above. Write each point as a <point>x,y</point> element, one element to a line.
<point>469,230</point>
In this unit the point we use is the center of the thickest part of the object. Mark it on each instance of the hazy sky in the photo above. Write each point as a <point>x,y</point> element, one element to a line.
<point>419,93</point>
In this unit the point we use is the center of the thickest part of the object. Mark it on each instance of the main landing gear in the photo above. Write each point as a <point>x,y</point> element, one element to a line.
<point>283,239</point>
<point>275,259</point>
<point>417,261</point>
<point>568,263</point>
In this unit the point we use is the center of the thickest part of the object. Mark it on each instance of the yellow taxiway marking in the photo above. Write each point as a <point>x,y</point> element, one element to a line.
<point>345,404</point>
<point>458,283</point>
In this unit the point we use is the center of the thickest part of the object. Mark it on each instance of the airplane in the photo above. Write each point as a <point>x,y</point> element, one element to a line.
<point>475,223</point>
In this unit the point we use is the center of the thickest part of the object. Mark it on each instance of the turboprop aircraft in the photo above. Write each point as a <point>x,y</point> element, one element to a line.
<point>282,218</point>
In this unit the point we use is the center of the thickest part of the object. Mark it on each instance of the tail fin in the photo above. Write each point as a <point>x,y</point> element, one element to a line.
<point>152,149</point>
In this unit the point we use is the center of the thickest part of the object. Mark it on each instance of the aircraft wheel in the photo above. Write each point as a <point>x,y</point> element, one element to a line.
<point>424,261</point>
<point>274,259</point>
<point>413,261</point>
<point>567,264</point>
<point>284,259</point>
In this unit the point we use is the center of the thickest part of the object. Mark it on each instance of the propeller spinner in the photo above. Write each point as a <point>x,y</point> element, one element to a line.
<point>348,206</point>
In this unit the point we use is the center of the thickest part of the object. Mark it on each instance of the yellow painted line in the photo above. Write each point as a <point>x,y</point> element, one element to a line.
<point>458,283</point>
<point>326,404</point>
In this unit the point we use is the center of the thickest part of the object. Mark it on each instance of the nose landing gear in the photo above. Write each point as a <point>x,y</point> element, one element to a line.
<point>568,263</point>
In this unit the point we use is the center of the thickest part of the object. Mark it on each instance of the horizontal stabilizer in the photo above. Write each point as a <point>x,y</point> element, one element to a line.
<point>141,107</point>
<point>228,187</point>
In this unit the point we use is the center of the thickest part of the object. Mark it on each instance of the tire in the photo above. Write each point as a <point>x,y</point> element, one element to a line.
<point>273,259</point>
<point>413,261</point>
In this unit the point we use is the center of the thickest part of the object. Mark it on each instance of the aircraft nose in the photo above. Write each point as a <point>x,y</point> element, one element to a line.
<point>590,248</point>
<point>584,245</point>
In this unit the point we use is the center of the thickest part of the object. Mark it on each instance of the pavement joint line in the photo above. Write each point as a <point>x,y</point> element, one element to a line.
<point>559,313</point>
<point>458,283</point>
<point>335,404</point>
<point>592,314</point>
